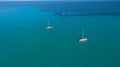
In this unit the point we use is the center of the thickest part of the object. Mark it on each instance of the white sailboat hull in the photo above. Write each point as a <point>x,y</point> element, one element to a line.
<point>83,39</point>
<point>49,27</point>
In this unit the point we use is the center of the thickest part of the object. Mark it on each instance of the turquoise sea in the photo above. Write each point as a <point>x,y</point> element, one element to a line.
<point>25,42</point>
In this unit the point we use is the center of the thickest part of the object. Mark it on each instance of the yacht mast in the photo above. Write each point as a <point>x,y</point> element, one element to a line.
<point>48,23</point>
<point>83,31</point>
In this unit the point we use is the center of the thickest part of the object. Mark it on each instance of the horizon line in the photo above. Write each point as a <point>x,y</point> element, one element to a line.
<point>50,0</point>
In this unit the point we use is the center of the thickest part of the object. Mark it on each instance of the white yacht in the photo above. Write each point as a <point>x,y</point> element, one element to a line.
<point>48,26</point>
<point>83,39</point>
